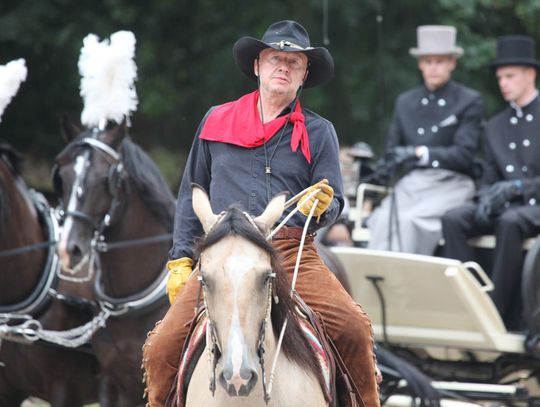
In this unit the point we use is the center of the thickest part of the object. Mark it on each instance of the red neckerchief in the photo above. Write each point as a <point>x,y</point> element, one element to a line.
<point>239,123</point>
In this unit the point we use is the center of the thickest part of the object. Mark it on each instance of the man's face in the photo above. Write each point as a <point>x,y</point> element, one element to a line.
<point>281,72</point>
<point>436,69</point>
<point>515,82</point>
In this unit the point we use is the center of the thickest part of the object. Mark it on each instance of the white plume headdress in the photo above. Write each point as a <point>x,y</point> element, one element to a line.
<point>108,72</point>
<point>11,76</point>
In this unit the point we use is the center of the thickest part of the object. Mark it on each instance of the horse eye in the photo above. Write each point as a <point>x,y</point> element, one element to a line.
<point>269,277</point>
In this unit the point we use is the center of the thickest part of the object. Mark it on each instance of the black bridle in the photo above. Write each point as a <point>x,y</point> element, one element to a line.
<point>99,244</point>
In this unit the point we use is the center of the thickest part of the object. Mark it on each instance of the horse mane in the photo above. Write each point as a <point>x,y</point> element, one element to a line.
<point>13,162</point>
<point>144,173</point>
<point>148,180</point>
<point>12,158</point>
<point>295,345</point>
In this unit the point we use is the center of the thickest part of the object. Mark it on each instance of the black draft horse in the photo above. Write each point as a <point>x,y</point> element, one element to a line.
<point>117,215</point>
<point>63,377</point>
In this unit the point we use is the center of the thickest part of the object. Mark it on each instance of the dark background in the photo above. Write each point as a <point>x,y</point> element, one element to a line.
<point>185,65</point>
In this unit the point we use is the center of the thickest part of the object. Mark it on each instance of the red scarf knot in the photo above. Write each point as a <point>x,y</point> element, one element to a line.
<point>239,123</point>
<point>300,134</point>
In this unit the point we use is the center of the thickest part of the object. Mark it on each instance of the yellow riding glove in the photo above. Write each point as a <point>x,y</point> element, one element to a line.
<point>325,196</point>
<point>179,271</point>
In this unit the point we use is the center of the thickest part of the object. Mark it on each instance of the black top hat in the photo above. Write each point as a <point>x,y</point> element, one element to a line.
<point>515,50</point>
<point>288,36</point>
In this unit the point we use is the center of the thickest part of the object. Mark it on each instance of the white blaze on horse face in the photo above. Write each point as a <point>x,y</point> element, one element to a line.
<point>236,268</point>
<point>78,167</point>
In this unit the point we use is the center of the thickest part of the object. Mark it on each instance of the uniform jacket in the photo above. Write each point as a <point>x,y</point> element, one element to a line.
<point>448,121</point>
<point>512,152</point>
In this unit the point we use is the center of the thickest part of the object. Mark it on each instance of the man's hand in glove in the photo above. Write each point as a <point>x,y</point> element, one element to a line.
<point>325,196</point>
<point>179,271</point>
<point>492,203</point>
<point>402,154</point>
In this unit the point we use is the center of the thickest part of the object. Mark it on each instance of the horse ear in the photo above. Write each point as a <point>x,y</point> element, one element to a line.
<point>68,129</point>
<point>202,207</point>
<point>115,136</point>
<point>272,212</point>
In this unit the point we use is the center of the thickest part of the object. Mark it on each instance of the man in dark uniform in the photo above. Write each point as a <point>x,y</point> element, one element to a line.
<point>245,152</point>
<point>509,196</point>
<point>434,134</point>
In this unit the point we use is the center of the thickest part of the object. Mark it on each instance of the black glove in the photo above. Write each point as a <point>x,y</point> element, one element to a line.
<point>402,154</point>
<point>492,203</point>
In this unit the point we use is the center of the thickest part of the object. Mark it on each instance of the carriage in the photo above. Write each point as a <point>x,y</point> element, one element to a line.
<point>436,313</point>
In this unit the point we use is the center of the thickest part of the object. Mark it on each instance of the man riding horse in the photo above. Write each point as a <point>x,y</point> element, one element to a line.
<point>247,151</point>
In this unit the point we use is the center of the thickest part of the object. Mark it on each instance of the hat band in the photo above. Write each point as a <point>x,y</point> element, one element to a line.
<point>284,43</point>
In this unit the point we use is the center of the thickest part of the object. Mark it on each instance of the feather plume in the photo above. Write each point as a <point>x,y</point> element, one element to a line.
<point>108,73</point>
<point>11,76</point>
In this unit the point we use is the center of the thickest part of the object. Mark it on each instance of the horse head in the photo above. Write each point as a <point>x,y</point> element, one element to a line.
<point>88,178</point>
<point>236,270</point>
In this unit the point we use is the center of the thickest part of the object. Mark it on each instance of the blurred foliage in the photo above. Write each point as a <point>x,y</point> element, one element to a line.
<point>185,62</point>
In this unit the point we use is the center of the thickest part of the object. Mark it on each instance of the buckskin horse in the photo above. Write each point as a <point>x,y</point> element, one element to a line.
<point>247,301</point>
<point>117,218</point>
<point>63,377</point>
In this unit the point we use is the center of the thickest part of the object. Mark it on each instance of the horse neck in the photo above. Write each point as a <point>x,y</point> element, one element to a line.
<point>21,227</point>
<point>131,269</point>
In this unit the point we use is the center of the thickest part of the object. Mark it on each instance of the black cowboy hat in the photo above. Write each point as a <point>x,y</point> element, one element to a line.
<point>288,36</point>
<point>515,50</point>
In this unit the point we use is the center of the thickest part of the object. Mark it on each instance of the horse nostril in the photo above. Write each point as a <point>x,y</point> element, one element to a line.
<point>75,253</point>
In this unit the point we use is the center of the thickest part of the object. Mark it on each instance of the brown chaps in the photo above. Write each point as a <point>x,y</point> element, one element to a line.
<point>345,321</point>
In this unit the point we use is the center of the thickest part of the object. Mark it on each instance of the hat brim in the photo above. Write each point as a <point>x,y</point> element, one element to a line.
<point>455,52</point>
<point>321,64</point>
<point>513,61</point>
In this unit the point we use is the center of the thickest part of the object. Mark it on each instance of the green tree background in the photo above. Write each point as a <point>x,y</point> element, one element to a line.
<point>185,62</point>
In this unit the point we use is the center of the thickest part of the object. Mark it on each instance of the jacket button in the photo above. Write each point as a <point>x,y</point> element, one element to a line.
<point>512,146</point>
<point>513,120</point>
<point>420,131</point>
<point>526,142</point>
<point>532,201</point>
<point>529,117</point>
<point>509,168</point>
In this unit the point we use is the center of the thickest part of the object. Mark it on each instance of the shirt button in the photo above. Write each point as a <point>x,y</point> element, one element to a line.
<point>420,131</point>
<point>253,194</point>
<point>254,175</point>
<point>441,102</point>
<point>434,129</point>
<point>526,142</point>
<point>435,164</point>
<point>524,168</point>
<point>513,120</point>
<point>529,117</point>
<point>532,201</point>
<point>424,101</point>
<point>509,168</point>
<point>512,146</point>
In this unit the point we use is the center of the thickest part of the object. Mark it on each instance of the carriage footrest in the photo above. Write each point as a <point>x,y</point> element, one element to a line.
<point>483,391</point>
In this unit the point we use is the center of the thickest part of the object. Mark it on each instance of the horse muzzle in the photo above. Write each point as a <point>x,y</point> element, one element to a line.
<point>238,384</point>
